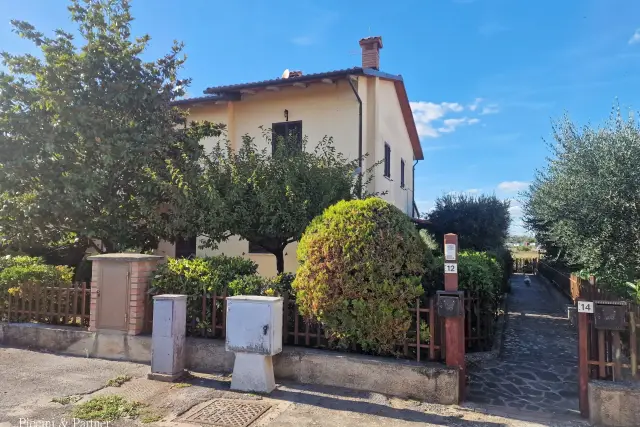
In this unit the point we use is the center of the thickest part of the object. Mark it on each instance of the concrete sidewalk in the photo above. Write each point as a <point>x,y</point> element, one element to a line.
<point>30,380</point>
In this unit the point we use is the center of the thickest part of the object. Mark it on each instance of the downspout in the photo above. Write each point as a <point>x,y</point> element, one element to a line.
<point>413,187</point>
<point>355,92</point>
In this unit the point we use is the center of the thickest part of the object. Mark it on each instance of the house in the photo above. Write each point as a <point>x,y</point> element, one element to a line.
<point>364,109</point>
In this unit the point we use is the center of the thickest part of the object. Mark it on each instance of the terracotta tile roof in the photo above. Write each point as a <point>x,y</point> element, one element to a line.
<point>281,81</point>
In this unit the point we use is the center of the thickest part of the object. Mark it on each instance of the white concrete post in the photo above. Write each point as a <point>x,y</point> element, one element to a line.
<point>254,333</point>
<point>168,337</point>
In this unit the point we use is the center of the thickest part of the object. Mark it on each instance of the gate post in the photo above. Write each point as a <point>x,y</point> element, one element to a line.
<point>583,366</point>
<point>454,326</point>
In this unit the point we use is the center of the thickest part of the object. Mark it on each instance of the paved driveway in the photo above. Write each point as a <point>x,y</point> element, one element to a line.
<point>538,368</point>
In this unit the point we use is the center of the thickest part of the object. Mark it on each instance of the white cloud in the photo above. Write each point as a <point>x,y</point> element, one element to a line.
<point>451,124</point>
<point>302,40</point>
<point>513,186</point>
<point>635,38</point>
<point>490,109</point>
<point>475,104</point>
<point>425,206</point>
<point>472,191</point>
<point>425,113</point>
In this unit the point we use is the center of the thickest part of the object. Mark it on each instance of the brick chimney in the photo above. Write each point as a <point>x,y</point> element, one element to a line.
<point>371,52</point>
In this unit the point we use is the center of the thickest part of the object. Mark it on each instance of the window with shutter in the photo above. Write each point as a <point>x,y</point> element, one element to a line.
<point>387,160</point>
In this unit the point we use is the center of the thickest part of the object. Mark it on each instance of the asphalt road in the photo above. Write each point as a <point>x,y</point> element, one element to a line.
<point>29,380</point>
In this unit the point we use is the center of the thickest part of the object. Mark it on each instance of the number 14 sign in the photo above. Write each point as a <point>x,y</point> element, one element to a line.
<point>585,307</point>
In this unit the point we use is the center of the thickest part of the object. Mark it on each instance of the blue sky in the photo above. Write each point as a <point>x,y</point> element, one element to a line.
<point>485,77</point>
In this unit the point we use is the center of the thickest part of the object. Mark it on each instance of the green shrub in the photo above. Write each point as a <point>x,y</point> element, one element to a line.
<point>505,259</point>
<point>23,274</point>
<point>249,285</point>
<point>198,275</point>
<point>360,267</point>
<point>281,285</point>
<point>480,273</point>
<point>18,260</point>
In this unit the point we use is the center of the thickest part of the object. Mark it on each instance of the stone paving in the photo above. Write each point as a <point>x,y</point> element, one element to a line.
<point>538,367</point>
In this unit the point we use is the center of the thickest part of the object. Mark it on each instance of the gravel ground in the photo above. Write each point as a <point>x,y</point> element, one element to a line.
<point>29,380</point>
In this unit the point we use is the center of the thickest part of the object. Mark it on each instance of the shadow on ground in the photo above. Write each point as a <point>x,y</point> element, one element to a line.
<point>359,402</point>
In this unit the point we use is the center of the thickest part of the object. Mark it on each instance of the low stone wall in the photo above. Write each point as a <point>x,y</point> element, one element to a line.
<point>429,382</point>
<point>614,403</point>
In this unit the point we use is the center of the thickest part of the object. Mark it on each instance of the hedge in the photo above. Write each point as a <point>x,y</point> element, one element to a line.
<point>361,263</point>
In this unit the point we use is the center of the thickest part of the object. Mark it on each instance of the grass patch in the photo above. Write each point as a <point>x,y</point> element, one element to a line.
<point>118,381</point>
<point>107,408</point>
<point>524,254</point>
<point>181,385</point>
<point>150,418</point>
<point>66,399</point>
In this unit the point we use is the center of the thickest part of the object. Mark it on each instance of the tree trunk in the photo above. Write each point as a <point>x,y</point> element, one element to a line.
<point>280,260</point>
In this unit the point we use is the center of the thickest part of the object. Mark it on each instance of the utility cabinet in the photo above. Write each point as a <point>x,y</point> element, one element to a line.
<point>254,325</point>
<point>254,333</point>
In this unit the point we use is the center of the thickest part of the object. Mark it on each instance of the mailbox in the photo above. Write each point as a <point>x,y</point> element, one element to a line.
<point>449,303</point>
<point>610,315</point>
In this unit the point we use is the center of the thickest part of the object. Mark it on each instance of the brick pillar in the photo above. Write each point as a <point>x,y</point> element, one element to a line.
<point>116,278</point>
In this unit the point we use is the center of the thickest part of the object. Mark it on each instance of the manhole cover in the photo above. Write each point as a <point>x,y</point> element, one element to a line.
<point>228,413</point>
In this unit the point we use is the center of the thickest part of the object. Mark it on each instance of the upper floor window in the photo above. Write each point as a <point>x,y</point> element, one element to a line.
<point>401,173</point>
<point>288,135</point>
<point>387,160</point>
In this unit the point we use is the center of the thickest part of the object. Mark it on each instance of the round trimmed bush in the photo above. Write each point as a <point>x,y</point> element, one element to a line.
<point>361,263</point>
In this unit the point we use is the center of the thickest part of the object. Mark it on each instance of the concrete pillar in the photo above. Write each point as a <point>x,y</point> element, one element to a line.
<point>168,337</point>
<point>119,284</point>
<point>254,333</point>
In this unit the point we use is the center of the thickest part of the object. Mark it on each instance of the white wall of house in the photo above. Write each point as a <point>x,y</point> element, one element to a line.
<point>324,109</point>
<point>393,131</point>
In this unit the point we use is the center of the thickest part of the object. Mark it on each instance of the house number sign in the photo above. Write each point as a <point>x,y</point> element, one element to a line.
<point>585,307</point>
<point>450,268</point>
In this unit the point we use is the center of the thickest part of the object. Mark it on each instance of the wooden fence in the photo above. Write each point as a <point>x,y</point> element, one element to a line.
<point>561,279</point>
<point>425,338</point>
<point>606,354</point>
<point>66,305</point>
<point>525,265</point>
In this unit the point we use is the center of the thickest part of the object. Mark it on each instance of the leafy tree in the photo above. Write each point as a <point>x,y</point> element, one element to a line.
<point>585,203</point>
<point>268,199</point>
<point>481,222</point>
<point>90,145</point>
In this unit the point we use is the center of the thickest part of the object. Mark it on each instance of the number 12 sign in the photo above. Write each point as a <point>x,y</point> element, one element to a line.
<point>450,267</point>
<point>585,307</point>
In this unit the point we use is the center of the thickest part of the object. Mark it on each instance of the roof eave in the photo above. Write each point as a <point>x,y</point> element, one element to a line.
<point>285,82</point>
<point>206,99</point>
